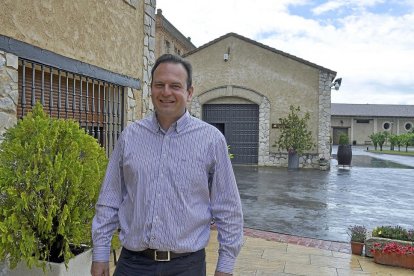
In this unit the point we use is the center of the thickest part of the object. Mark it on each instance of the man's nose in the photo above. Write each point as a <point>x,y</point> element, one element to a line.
<point>166,90</point>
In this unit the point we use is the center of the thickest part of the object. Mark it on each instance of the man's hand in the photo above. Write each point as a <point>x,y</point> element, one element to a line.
<point>100,269</point>
<point>218,273</point>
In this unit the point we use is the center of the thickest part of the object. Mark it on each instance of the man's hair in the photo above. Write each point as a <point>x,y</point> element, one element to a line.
<point>169,58</point>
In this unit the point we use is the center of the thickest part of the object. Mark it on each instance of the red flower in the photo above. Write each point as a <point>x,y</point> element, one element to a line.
<point>393,247</point>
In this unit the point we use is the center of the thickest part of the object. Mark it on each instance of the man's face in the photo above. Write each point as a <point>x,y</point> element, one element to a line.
<point>169,92</point>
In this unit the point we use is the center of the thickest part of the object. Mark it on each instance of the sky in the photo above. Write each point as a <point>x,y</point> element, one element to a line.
<point>369,43</point>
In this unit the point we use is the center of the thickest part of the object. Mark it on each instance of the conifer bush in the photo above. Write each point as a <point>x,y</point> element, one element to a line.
<point>50,175</point>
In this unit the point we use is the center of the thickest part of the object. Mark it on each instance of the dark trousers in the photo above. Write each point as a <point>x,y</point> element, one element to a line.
<point>132,264</point>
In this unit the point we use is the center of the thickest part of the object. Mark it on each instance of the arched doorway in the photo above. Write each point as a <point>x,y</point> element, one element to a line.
<point>239,123</point>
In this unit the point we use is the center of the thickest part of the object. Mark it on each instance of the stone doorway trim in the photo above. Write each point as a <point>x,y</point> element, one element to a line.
<point>244,93</point>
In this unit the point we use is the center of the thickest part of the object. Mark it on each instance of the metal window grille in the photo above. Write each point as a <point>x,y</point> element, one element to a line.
<point>97,105</point>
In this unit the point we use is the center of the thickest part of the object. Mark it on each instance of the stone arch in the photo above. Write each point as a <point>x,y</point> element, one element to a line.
<point>232,91</point>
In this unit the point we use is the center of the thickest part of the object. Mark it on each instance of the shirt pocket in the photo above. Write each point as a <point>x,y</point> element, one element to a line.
<point>189,174</point>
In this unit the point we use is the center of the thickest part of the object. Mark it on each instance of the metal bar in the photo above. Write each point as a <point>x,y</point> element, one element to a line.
<point>51,92</point>
<point>105,120</point>
<point>33,101</point>
<point>113,119</point>
<point>99,112</point>
<point>42,88</point>
<point>93,109</point>
<point>80,100</point>
<point>87,104</point>
<point>67,96</point>
<point>74,96</point>
<point>23,87</point>
<point>118,112</point>
<point>59,93</point>
<point>109,118</point>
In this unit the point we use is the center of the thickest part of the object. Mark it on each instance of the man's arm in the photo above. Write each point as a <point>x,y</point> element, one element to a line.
<point>226,209</point>
<point>106,219</point>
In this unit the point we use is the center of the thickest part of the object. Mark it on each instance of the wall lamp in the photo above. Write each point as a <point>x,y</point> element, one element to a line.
<point>336,84</point>
<point>227,55</point>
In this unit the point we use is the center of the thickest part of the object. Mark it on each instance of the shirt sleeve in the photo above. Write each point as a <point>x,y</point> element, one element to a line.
<point>226,209</point>
<point>105,221</point>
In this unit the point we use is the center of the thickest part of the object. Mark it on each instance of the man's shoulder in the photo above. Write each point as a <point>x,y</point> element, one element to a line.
<point>201,125</point>
<point>144,123</point>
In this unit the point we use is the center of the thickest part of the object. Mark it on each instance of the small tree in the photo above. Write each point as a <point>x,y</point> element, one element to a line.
<point>406,140</point>
<point>375,139</point>
<point>382,137</point>
<point>294,135</point>
<point>398,142</point>
<point>50,175</point>
<point>393,141</point>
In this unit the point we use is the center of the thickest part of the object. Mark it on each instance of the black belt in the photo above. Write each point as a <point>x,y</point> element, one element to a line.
<point>160,256</point>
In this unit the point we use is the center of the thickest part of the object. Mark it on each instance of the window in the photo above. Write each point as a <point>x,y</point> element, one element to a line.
<point>408,126</point>
<point>362,121</point>
<point>97,105</point>
<point>386,126</point>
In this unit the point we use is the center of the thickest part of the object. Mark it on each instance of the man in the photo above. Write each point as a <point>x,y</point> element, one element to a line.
<point>168,177</point>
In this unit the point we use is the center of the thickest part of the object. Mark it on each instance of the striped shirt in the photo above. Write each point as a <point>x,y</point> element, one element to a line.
<point>163,188</point>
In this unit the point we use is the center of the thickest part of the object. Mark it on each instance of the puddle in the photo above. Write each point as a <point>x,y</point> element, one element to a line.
<point>365,161</point>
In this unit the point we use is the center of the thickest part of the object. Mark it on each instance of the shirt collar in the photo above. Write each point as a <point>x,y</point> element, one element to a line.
<point>178,126</point>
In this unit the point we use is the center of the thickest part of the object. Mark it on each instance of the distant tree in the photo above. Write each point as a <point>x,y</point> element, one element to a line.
<point>375,139</point>
<point>406,140</point>
<point>382,137</point>
<point>398,142</point>
<point>393,140</point>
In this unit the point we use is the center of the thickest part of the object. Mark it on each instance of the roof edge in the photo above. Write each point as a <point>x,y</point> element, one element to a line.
<point>262,46</point>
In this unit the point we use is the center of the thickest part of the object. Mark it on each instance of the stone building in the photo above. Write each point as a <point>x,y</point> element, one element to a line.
<point>82,59</point>
<point>359,121</point>
<point>169,40</point>
<point>243,87</point>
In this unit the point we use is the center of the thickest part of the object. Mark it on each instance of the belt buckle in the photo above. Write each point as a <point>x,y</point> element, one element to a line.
<point>162,260</point>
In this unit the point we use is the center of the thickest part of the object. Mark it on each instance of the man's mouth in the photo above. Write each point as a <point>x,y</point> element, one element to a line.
<point>166,101</point>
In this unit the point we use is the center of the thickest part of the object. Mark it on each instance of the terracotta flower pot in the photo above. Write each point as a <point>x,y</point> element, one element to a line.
<point>356,248</point>
<point>406,261</point>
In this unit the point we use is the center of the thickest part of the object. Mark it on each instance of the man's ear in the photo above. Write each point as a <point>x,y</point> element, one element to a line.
<point>190,93</point>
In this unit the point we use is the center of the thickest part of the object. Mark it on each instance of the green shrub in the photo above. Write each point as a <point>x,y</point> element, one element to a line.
<point>50,176</point>
<point>343,139</point>
<point>393,232</point>
<point>294,134</point>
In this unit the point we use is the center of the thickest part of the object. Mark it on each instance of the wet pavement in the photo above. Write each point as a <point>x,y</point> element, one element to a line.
<point>318,204</point>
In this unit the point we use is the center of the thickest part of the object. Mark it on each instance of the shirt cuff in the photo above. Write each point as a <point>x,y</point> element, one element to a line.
<point>101,253</point>
<point>225,264</point>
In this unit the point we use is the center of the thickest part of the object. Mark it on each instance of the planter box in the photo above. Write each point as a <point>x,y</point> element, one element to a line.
<point>406,261</point>
<point>369,243</point>
<point>77,266</point>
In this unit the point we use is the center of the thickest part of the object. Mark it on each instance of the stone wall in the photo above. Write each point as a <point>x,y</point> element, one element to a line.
<point>149,56</point>
<point>324,135</point>
<point>8,91</point>
<point>107,34</point>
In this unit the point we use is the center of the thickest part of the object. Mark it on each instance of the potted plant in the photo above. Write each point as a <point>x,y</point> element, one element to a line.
<point>388,234</point>
<point>358,235</point>
<point>294,136</point>
<point>344,154</point>
<point>394,254</point>
<point>50,176</point>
